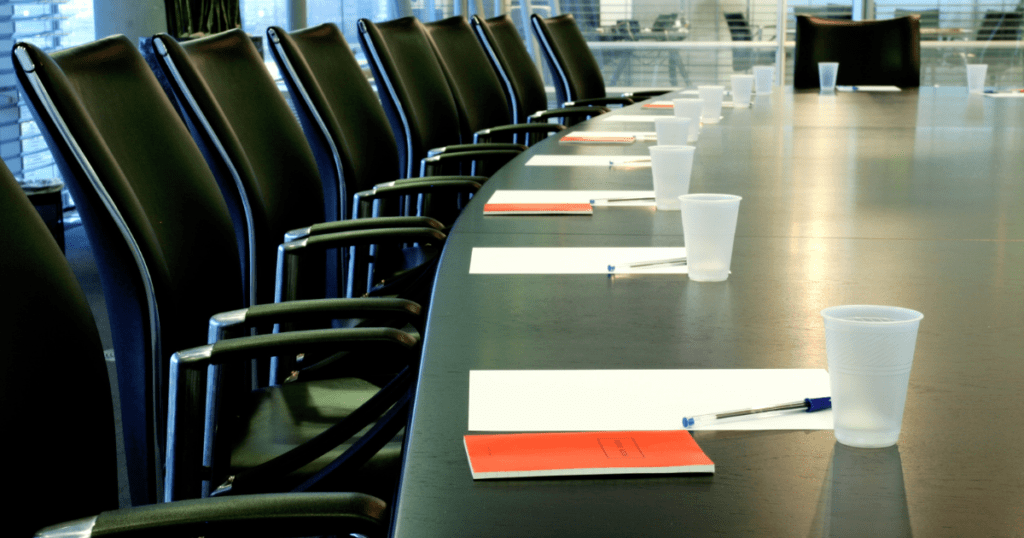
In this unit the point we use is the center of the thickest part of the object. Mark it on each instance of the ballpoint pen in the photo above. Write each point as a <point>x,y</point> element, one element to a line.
<point>638,199</point>
<point>648,264</point>
<point>641,160</point>
<point>808,405</point>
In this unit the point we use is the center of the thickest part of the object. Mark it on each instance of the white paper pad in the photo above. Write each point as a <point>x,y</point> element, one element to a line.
<point>640,136</point>
<point>607,161</point>
<point>1007,94</point>
<point>632,118</point>
<point>868,88</point>
<point>616,400</point>
<point>571,261</point>
<point>571,197</point>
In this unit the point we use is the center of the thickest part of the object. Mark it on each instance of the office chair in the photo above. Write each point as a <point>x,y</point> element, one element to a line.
<point>419,103</point>
<point>885,52</point>
<point>158,224</point>
<point>65,469</point>
<point>521,81</point>
<point>266,169</point>
<point>483,109</point>
<point>743,59</point>
<point>347,129</point>
<point>573,68</point>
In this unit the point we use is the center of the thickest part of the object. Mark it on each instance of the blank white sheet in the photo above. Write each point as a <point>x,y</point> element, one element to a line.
<point>607,161</point>
<point>571,260</point>
<point>618,400</point>
<point>600,198</point>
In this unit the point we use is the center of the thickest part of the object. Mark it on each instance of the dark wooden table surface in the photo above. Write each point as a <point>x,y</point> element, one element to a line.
<point>913,199</point>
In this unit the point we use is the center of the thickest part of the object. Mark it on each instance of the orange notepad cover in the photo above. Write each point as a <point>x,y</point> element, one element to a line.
<point>659,105</point>
<point>538,209</point>
<point>583,138</point>
<point>584,453</point>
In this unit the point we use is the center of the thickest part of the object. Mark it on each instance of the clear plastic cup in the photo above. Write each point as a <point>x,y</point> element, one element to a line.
<point>672,131</point>
<point>742,86</point>
<point>671,167</point>
<point>709,230</point>
<point>976,78</point>
<point>870,351</point>
<point>689,108</point>
<point>712,97</point>
<point>764,75</point>
<point>827,73</point>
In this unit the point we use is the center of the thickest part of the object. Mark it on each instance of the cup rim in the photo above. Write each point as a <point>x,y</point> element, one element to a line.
<point>671,148</point>
<point>709,197</point>
<point>828,63</point>
<point>907,315</point>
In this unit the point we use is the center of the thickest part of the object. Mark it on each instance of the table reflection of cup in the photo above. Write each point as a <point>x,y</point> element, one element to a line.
<point>864,495</point>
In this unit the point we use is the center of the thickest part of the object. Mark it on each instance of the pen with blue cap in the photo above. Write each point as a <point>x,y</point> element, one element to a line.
<point>808,405</point>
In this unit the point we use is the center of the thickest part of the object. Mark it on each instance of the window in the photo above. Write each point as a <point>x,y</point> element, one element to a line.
<point>50,25</point>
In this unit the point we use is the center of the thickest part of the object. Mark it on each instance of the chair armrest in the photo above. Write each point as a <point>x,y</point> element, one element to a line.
<point>288,260</point>
<point>600,101</point>
<point>530,131</point>
<point>298,514</point>
<point>574,113</point>
<point>646,94</point>
<point>433,165</point>
<point>442,197</point>
<point>356,224</point>
<point>456,148</point>
<point>225,324</point>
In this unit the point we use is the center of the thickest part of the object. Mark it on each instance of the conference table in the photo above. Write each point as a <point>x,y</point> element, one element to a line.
<point>912,198</point>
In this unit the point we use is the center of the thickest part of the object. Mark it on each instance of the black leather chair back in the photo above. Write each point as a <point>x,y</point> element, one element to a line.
<point>251,138</point>
<point>474,83</point>
<point>343,119</point>
<point>522,82</point>
<point>412,87</point>
<point>885,52</point>
<point>158,225</point>
<point>573,67</point>
<point>54,393</point>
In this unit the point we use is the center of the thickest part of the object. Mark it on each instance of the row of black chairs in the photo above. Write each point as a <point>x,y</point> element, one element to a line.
<point>186,219</point>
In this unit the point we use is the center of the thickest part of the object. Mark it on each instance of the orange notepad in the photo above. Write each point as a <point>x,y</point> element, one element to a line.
<point>660,104</point>
<point>538,209</point>
<point>584,453</point>
<point>583,138</point>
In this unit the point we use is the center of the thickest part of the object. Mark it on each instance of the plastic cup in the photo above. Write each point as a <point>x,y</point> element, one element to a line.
<point>712,97</point>
<point>671,166</point>
<point>742,85</point>
<point>709,230</point>
<point>870,350</point>
<point>672,131</point>
<point>976,78</point>
<point>827,73</point>
<point>689,108</point>
<point>764,75</point>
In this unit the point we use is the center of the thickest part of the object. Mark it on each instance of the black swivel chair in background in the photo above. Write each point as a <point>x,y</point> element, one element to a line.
<point>419,103</point>
<point>883,52</point>
<point>522,82</point>
<point>162,236</point>
<point>65,469</point>
<point>574,70</point>
<point>483,109</point>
